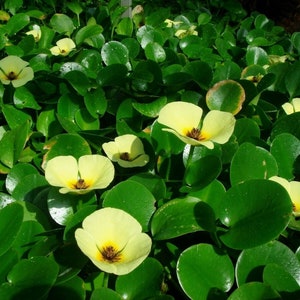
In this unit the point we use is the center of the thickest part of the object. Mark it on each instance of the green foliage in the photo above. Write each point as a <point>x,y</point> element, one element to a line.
<point>220,228</point>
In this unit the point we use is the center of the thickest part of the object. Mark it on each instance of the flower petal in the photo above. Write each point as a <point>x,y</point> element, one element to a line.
<point>295,195</point>
<point>111,224</point>
<point>296,104</point>
<point>24,76</point>
<point>180,116</point>
<point>55,51</point>
<point>86,243</point>
<point>13,64</point>
<point>140,161</point>
<point>111,149</point>
<point>96,170</point>
<point>218,126</point>
<point>62,171</point>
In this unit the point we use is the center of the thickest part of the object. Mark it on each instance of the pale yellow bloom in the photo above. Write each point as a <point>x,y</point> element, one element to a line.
<point>113,240</point>
<point>184,120</point>
<point>14,70</point>
<point>63,47</point>
<point>89,173</point>
<point>181,33</point>
<point>291,107</point>
<point>293,188</point>
<point>36,32</point>
<point>171,23</point>
<point>127,150</point>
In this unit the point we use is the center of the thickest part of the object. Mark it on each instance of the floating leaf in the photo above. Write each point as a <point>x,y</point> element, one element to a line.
<point>255,212</point>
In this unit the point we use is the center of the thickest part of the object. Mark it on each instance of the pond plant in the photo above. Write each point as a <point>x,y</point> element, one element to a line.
<point>148,152</point>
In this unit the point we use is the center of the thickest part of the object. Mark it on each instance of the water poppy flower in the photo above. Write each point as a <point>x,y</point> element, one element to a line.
<point>90,172</point>
<point>293,188</point>
<point>291,107</point>
<point>113,240</point>
<point>35,32</point>
<point>14,70</point>
<point>127,150</point>
<point>63,47</point>
<point>184,120</point>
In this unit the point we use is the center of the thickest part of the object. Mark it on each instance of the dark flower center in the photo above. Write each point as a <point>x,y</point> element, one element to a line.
<point>12,75</point>
<point>110,254</point>
<point>80,185</point>
<point>125,156</point>
<point>194,134</point>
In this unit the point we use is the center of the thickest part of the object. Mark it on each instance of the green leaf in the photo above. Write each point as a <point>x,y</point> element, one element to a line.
<point>202,78</point>
<point>85,121</point>
<point>23,98</point>
<point>287,124</point>
<point>8,260</point>
<point>205,272</point>
<point>133,198</point>
<point>252,162</point>
<point>155,52</point>
<point>182,216</point>
<point>255,212</point>
<point>202,172</point>
<point>281,280</point>
<point>114,52</point>
<point>257,56</point>
<point>246,130</point>
<point>114,75</point>
<point>30,279</point>
<point>251,262</point>
<point>79,81</point>
<point>63,206</point>
<point>66,144</point>
<point>254,291</point>
<point>150,109</point>
<point>13,143</point>
<point>16,23</point>
<point>62,24</point>
<point>226,95</point>
<point>96,102</point>
<point>149,275</point>
<point>105,293</point>
<point>73,287</point>
<point>87,32</point>
<point>14,117</point>
<point>16,175</point>
<point>125,27</point>
<point>285,148</point>
<point>292,80</point>
<point>11,218</point>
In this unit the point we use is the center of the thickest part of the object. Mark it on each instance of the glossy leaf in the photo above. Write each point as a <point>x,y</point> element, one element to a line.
<point>255,212</point>
<point>254,291</point>
<point>11,218</point>
<point>24,276</point>
<point>182,216</point>
<point>251,262</point>
<point>227,95</point>
<point>133,198</point>
<point>150,277</point>
<point>204,271</point>
<point>285,148</point>
<point>114,53</point>
<point>252,162</point>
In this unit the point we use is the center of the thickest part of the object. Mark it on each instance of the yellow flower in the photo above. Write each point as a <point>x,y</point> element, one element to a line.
<point>181,33</point>
<point>63,47</point>
<point>184,120</point>
<point>36,32</point>
<point>14,70</point>
<point>89,173</point>
<point>292,107</point>
<point>171,23</point>
<point>127,150</point>
<point>293,188</point>
<point>113,240</point>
